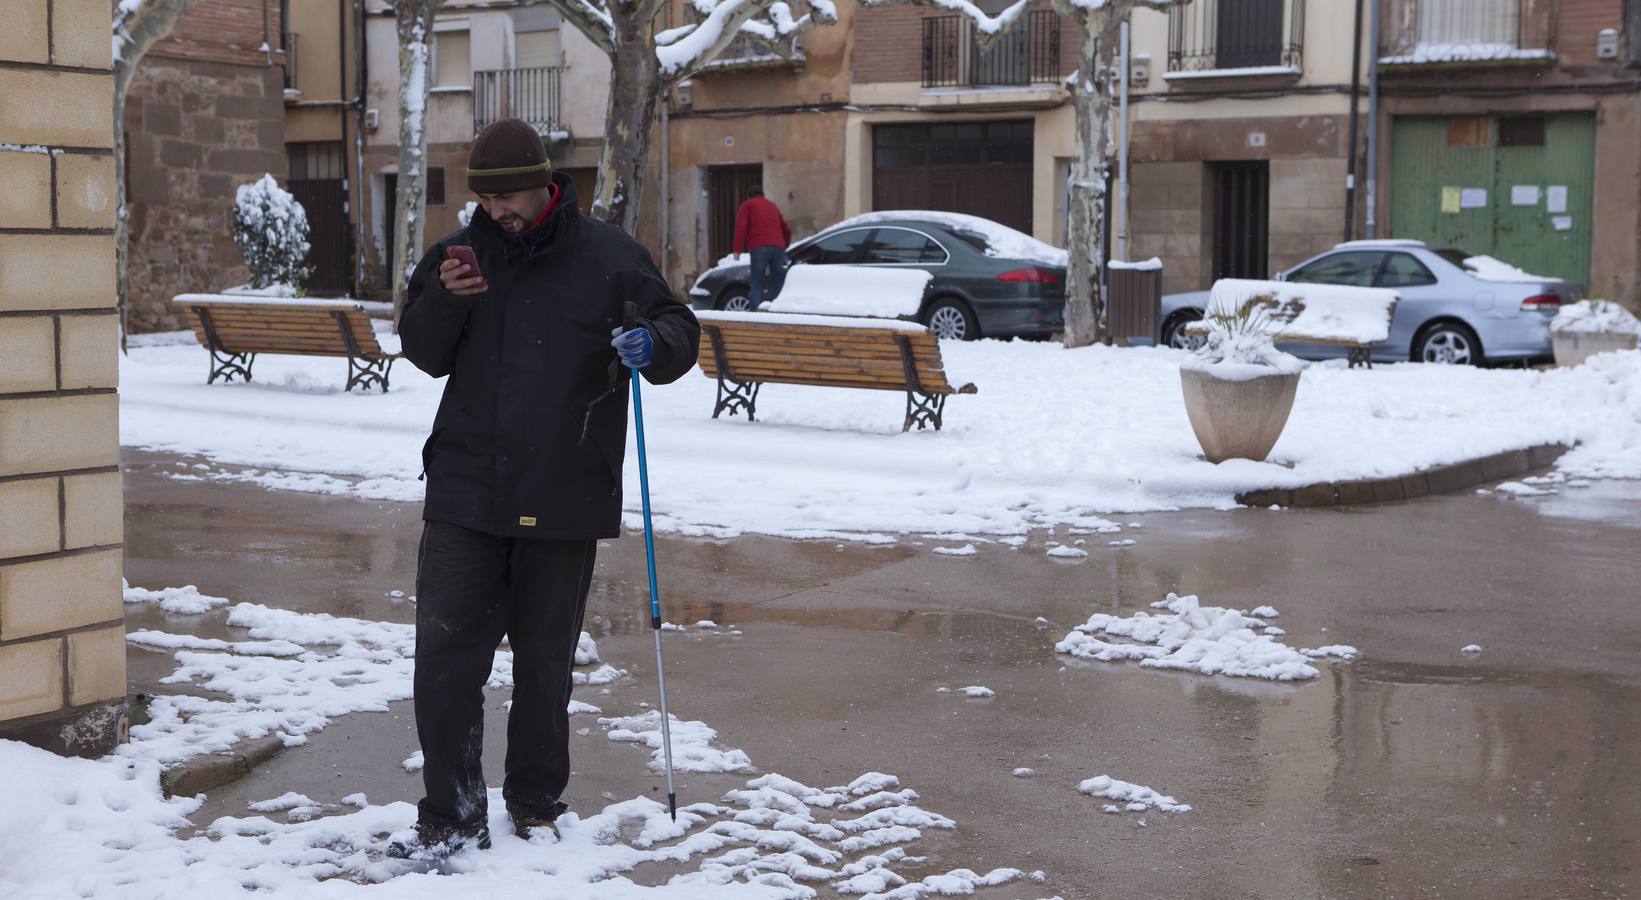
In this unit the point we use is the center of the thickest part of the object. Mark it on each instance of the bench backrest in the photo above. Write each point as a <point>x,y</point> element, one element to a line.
<point>792,349</point>
<point>274,325</point>
<point>1310,313</point>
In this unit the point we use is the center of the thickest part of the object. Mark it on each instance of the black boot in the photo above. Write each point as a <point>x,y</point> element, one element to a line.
<point>534,815</point>
<point>435,842</point>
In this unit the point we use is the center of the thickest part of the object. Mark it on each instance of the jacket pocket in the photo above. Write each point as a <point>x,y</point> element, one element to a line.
<point>600,445</point>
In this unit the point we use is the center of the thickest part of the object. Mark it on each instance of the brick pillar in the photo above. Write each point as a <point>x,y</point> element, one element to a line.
<point>62,628</point>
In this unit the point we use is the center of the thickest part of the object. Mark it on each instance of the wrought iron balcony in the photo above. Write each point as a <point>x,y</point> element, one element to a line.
<point>750,51</point>
<point>1455,31</point>
<point>1216,35</point>
<point>1028,54</point>
<point>528,94</point>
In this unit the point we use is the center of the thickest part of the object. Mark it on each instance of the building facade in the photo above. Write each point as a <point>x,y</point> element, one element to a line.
<point>1513,128</point>
<point>62,629</point>
<point>205,114</point>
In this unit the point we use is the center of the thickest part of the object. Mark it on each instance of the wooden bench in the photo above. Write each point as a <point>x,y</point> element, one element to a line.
<point>1355,318</point>
<point>236,328</point>
<point>747,350</point>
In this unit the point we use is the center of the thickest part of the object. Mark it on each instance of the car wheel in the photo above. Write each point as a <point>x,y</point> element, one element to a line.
<point>1174,334</point>
<point>1448,343</point>
<point>735,298</point>
<point>950,320</point>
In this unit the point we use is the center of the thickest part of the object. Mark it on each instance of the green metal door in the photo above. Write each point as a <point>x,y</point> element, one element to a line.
<point>1520,188</point>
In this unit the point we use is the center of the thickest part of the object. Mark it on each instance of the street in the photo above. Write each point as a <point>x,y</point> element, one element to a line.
<point>1415,770</point>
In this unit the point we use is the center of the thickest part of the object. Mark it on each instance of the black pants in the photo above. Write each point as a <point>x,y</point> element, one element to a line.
<point>471,589</point>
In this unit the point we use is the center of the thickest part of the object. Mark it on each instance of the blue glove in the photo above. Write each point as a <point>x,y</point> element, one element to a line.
<point>636,348</point>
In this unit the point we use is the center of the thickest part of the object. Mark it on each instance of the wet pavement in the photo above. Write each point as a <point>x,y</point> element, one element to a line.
<point>1414,771</point>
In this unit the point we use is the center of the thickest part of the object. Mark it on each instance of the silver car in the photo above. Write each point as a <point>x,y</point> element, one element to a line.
<point>1455,307</point>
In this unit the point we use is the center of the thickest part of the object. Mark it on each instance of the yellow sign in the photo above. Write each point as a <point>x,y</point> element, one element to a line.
<point>1450,199</point>
<point>527,520</point>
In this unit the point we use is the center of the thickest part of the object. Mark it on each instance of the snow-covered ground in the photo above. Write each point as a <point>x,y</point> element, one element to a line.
<point>1054,437</point>
<point>102,828</point>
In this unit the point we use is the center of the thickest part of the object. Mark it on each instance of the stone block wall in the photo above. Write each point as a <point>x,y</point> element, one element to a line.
<point>62,630</point>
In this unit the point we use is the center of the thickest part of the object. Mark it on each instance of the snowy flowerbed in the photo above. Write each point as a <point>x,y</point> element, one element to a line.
<point>1054,437</point>
<point>1595,317</point>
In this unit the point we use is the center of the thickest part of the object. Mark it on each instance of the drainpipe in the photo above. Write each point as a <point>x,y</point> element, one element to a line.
<point>1350,142</point>
<point>359,146</point>
<point>1122,143</point>
<point>1372,199</point>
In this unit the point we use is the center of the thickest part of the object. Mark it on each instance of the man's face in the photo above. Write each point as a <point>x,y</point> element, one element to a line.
<point>516,211</point>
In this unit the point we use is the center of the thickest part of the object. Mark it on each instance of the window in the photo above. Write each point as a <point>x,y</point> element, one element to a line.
<point>1469,131</point>
<point>316,160</point>
<point>842,247</point>
<point>435,185</point>
<point>537,49</point>
<point>1216,35</point>
<point>1521,131</point>
<point>900,246</point>
<point>452,63</point>
<point>1402,270</point>
<point>1353,268</point>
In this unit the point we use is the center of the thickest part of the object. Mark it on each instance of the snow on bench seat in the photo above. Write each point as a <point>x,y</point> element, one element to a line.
<point>1354,317</point>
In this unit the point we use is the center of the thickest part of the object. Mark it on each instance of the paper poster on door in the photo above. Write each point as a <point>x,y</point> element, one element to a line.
<point>1562,223</point>
<point>1524,195</point>
<point>1473,198</point>
<point>1555,198</point>
<point>1450,199</point>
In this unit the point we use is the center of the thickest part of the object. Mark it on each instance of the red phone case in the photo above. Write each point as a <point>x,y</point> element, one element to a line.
<point>463,253</point>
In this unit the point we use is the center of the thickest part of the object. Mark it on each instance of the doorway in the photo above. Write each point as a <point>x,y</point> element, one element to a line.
<point>726,189</point>
<point>1242,218</point>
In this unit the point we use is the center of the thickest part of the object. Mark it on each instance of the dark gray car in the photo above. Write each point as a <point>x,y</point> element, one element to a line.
<point>989,280</point>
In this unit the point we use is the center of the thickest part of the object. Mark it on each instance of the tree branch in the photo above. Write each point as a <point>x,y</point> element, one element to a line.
<point>592,18</point>
<point>728,19</point>
<point>988,29</point>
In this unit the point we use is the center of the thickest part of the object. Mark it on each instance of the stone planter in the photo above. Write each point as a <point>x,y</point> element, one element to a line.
<point>1238,419</point>
<point>1573,347</point>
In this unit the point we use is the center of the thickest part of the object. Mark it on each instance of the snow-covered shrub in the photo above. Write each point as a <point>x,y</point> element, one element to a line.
<point>1595,317</point>
<point>1241,337</point>
<point>271,230</point>
<point>465,217</point>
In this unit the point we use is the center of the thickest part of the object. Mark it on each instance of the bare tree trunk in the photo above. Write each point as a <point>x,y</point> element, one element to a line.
<point>136,30</point>
<point>1085,239</point>
<point>635,88</point>
<point>415,33</point>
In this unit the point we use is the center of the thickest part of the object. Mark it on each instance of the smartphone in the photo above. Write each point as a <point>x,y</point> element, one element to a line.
<point>464,254</point>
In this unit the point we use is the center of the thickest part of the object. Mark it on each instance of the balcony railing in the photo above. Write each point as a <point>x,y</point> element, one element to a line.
<point>1438,31</point>
<point>1212,35</point>
<point>528,94</point>
<point>289,39</point>
<point>749,51</point>
<point>1028,54</point>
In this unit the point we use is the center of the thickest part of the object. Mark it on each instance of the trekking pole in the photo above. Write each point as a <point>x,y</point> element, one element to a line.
<point>630,321</point>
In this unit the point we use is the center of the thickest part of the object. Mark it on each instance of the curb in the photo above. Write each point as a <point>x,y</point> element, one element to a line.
<point>213,770</point>
<point>1440,480</point>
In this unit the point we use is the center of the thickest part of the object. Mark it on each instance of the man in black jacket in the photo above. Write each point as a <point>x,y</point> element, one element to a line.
<point>523,469</point>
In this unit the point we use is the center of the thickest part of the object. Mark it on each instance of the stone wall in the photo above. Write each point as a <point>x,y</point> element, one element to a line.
<point>62,631</point>
<point>196,130</point>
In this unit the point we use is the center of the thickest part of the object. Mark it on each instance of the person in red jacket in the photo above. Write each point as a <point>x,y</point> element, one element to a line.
<point>760,227</point>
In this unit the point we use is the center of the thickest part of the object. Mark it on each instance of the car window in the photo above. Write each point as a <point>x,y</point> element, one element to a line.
<point>1402,270</point>
<point>838,248</point>
<point>1453,255</point>
<point>902,245</point>
<point>1356,267</point>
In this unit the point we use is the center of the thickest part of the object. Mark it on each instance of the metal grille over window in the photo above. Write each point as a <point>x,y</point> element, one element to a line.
<point>529,94</point>
<point>1439,30</point>
<point>1210,35</point>
<point>1028,54</point>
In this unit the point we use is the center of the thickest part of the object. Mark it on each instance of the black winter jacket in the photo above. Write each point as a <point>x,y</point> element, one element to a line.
<point>527,360</point>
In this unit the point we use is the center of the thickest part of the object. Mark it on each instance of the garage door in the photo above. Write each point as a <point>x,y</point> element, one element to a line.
<point>1520,188</point>
<point>979,168</point>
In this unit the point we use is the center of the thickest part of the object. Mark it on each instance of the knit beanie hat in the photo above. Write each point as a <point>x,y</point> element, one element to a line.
<point>507,156</point>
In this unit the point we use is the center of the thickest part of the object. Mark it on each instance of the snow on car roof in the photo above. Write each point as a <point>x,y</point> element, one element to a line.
<point>1002,241</point>
<point>1380,242</point>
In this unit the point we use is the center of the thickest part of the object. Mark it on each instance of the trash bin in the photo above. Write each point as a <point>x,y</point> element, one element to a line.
<point>1134,302</point>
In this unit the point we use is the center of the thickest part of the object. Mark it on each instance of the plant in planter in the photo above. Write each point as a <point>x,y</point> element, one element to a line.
<point>1581,330</point>
<point>1239,388</point>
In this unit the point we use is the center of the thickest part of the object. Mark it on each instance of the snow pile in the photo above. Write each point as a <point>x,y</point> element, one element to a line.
<point>185,600</point>
<point>1154,264</point>
<point>1211,640</point>
<point>976,690</point>
<point>1001,241</point>
<point>1135,797</point>
<point>965,550</point>
<point>271,230</point>
<point>1487,268</point>
<point>1425,53</point>
<point>1033,449</point>
<point>1064,551</point>
<point>1239,343</point>
<point>1595,317</point>
<point>852,291</point>
<point>692,749</point>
